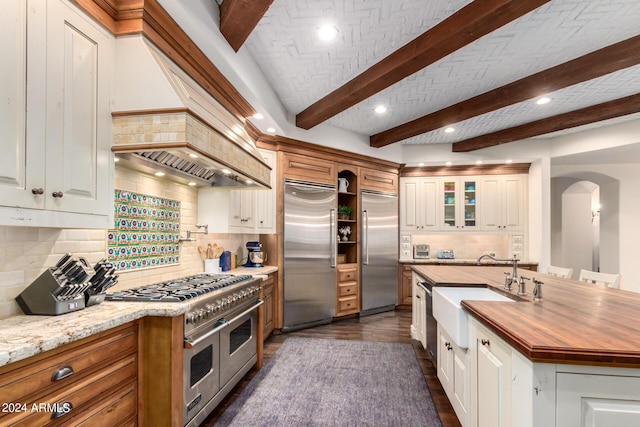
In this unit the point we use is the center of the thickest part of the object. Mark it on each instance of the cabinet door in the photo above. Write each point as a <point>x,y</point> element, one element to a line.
<point>22,164</point>
<point>409,204</point>
<point>78,122</point>
<point>503,203</point>
<point>597,400</point>
<point>458,203</point>
<point>428,204</point>
<point>513,201</point>
<point>461,393</point>
<point>241,208</point>
<point>491,203</point>
<point>418,204</point>
<point>266,199</point>
<point>445,361</point>
<point>493,381</point>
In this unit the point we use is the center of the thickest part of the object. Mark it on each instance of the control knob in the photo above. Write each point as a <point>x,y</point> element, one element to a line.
<point>191,318</point>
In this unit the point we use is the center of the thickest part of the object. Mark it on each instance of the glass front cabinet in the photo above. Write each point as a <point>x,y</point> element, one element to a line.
<point>459,209</point>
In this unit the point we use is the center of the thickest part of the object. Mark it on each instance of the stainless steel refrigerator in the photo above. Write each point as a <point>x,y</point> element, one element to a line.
<point>310,246</point>
<point>379,240</point>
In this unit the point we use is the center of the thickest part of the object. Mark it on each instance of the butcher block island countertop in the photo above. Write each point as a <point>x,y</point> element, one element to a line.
<point>575,323</point>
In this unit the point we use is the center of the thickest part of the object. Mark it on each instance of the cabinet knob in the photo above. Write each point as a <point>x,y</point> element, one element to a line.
<point>62,409</point>
<point>485,341</point>
<point>57,194</point>
<point>37,191</point>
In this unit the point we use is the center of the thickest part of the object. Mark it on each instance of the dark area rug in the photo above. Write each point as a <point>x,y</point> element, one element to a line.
<point>324,382</point>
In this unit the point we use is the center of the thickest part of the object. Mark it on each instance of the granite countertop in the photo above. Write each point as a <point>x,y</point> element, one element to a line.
<point>23,336</point>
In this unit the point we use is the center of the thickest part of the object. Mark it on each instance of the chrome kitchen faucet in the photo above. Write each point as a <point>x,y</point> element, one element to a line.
<point>514,274</point>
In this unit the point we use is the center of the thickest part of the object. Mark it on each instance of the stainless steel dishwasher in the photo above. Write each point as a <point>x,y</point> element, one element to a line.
<point>432,325</point>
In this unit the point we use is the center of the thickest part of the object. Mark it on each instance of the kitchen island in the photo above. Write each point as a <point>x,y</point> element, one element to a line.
<point>572,356</point>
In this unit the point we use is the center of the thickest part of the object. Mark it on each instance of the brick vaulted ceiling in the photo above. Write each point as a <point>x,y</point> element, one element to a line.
<point>477,66</point>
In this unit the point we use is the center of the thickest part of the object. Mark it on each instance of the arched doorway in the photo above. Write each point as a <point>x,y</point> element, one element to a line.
<point>584,222</point>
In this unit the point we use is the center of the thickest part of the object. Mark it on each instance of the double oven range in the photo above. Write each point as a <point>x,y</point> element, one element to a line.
<point>220,331</point>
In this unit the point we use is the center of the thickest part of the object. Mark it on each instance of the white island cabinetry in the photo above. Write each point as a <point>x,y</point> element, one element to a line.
<point>57,165</point>
<point>508,390</point>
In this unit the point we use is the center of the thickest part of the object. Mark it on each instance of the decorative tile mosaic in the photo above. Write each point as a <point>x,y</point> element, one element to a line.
<point>146,231</point>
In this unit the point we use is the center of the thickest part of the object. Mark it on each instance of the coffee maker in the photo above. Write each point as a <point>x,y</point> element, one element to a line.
<point>255,256</point>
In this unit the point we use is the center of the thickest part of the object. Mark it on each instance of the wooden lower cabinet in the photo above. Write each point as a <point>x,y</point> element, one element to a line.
<point>269,308</point>
<point>93,381</point>
<point>405,287</point>
<point>347,289</point>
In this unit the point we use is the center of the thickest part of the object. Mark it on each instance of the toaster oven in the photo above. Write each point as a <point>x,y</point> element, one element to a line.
<point>421,251</point>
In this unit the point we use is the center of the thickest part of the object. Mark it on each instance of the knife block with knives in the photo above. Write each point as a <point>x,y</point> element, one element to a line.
<point>66,287</point>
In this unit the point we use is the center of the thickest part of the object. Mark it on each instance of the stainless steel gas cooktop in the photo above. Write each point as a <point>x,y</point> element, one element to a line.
<point>179,289</point>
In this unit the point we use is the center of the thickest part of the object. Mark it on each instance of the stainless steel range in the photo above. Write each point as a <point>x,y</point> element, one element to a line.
<point>220,344</point>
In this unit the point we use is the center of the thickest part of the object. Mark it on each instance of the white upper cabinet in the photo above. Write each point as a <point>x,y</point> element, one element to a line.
<point>240,211</point>
<point>458,197</point>
<point>265,208</point>
<point>419,204</point>
<point>56,170</point>
<point>503,202</point>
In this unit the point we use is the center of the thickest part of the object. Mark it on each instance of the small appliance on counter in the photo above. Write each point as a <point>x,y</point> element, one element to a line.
<point>71,285</point>
<point>446,254</point>
<point>255,256</point>
<point>421,251</point>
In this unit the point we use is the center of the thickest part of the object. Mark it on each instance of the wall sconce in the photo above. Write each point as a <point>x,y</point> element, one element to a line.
<point>595,211</point>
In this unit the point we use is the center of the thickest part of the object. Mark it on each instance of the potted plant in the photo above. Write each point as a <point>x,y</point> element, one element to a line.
<point>344,212</point>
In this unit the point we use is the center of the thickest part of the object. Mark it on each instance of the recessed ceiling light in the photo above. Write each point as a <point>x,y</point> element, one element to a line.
<point>509,161</point>
<point>478,162</point>
<point>543,100</point>
<point>258,116</point>
<point>193,155</point>
<point>116,159</point>
<point>449,129</point>
<point>249,181</point>
<point>380,109</point>
<point>159,174</point>
<point>271,130</point>
<point>448,164</point>
<point>191,184</point>
<point>327,32</point>
<point>226,171</point>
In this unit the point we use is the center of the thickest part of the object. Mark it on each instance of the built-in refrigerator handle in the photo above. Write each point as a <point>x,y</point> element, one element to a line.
<point>333,238</point>
<point>365,237</point>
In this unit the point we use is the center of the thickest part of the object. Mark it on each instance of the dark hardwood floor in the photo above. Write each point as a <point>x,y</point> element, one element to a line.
<point>391,326</point>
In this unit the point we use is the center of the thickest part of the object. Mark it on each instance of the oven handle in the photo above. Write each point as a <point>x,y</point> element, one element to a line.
<point>225,323</point>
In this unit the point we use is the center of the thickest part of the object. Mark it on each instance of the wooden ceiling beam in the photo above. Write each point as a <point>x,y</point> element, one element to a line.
<point>468,24</point>
<point>592,65</point>
<point>595,113</point>
<point>239,17</point>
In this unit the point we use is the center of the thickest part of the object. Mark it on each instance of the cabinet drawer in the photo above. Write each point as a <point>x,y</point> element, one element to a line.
<point>65,368</point>
<point>347,288</point>
<point>118,408</point>
<point>83,393</point>
<point>348,274</point>
<point>348,303</point>
<point>308,168</point>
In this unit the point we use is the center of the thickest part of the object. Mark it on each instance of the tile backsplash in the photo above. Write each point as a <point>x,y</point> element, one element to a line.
<point>25,252</point>
<point>467,246</point>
